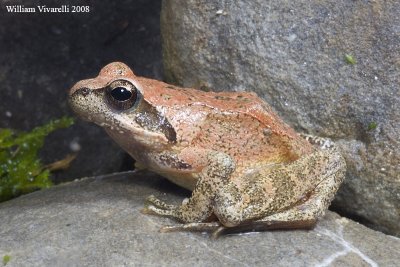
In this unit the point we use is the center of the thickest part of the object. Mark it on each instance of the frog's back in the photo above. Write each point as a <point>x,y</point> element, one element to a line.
<point>238,123</point>
<point>169,96</point>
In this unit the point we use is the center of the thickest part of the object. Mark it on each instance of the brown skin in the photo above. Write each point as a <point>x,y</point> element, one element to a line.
<point>243,163</point>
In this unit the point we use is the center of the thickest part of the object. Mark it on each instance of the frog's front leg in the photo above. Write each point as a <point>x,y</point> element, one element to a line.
<point>199,206</point>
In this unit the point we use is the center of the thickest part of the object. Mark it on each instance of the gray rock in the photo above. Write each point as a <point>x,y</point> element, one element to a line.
<point>97,222</point>
<point>292,53</point>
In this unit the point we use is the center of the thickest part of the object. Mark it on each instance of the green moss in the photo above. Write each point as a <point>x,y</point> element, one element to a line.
<point>6,259</point>
<point>349,59</point>
<point>372,126</point>
<point>21,171</point>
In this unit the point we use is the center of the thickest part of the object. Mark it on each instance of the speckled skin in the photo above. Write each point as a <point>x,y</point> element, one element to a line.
<point>243,163</point>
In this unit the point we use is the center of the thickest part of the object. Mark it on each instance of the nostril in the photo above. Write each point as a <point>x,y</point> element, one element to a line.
<point>84,91</point>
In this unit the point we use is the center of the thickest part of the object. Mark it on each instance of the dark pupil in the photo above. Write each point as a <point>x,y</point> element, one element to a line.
<point>121,94</point>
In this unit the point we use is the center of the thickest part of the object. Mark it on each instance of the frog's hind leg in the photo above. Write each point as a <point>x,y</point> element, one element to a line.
<point>303,214</point>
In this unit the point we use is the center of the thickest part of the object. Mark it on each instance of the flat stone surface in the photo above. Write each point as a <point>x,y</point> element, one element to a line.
<point>292,54</point>
<point>97,222</point>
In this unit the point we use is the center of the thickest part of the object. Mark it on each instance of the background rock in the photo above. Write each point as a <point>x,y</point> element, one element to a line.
<point>97,222</point>
<point>43,55</point>
<point>292,53</point>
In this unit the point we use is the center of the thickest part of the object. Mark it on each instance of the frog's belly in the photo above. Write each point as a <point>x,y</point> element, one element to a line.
<point>185,180</point>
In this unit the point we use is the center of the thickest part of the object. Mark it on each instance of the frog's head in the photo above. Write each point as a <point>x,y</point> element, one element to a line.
<point>115,101</point>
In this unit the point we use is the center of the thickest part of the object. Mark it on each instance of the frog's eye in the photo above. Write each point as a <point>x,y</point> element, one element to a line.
<point>122,94</point>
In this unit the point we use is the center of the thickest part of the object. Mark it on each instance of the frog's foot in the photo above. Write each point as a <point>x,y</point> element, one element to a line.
<point>152,200</point>
<point>152,210</point>
<point>183,213</point>
<point>155,206</point>
<point>215,228</point>
<point>192,227</point>
<point>268,225</point>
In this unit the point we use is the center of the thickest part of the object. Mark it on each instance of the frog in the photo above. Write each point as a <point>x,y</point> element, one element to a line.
<point>246,168</point>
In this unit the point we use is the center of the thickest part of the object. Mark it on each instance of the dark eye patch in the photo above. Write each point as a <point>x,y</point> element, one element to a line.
<point>149,118</point>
